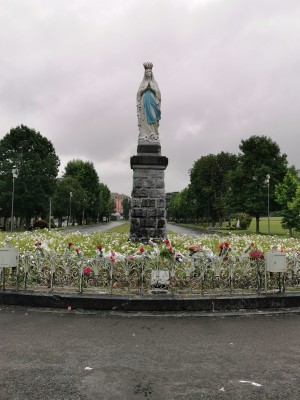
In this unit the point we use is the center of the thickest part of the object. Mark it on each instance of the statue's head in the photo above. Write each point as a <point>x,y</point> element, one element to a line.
<point>148,69</point>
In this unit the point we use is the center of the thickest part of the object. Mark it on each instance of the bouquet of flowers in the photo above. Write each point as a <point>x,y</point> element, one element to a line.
<point>194,249</point>
<point>223,249</point>
<point>167,251</point>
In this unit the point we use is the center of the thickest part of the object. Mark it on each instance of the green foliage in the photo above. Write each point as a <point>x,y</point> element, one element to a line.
<point>107,205</point>
<point>63,203</point>
<point>209,184</point>
<point>180,207</point>
<point>245,220</point>
<point>87,178</point>
<point>294,206</point>
<point>34,157</point>
<point>285,194</point>
<point>126,204</point>
<point>260,156</point>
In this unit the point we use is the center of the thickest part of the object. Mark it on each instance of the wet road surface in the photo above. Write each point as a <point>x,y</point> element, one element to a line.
<point>61,355</point>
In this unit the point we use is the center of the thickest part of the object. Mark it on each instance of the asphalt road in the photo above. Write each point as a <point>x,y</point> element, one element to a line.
<point>106,226</point>
<point>61,355</point>
<point>93,228</point>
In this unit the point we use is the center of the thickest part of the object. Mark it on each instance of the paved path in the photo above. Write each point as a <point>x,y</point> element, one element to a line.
<point>63,355</point>
<point>106,226</point>
<point>188,231</point>
<point>93,228</point>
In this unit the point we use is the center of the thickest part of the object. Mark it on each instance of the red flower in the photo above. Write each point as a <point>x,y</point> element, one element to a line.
<point>70,244</point>
<point>87,270</point>
<point>131,259</point>
<point>99,247</point>
<point>38,244</point>
<point>77,250</point>
<point>170,249</point>
<point>256,255</point>
<point>168,243</point>
<point>142,250</point>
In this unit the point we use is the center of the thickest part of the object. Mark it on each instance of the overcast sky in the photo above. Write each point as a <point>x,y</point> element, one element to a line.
<point>227,69</point>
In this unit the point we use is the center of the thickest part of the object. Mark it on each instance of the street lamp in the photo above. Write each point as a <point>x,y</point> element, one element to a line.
<point>15,174</point>
<point>267,181</point>
<point>71,195</point>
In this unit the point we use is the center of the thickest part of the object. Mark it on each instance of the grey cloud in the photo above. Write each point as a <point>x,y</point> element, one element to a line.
<point>226,70</point>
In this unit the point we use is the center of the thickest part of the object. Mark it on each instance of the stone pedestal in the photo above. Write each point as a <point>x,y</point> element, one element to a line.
<point>148,212</point>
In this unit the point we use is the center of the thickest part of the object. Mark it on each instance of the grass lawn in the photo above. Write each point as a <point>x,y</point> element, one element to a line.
<point>124,228</point>
<point>275,228</point>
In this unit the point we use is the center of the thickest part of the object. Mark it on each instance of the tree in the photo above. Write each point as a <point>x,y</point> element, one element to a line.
<point>285,193</point>
<point>63,203</point>
<point>209,184</point>
<point>107,204</point>
<point>260,156</point>
<point>181,206</point>
<point>294,206</point>
<point>126,204</point>
<point>34,157</point>
<point>85,174</point>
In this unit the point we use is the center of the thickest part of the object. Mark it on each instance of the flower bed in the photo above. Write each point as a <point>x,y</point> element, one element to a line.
<point>109,262</point>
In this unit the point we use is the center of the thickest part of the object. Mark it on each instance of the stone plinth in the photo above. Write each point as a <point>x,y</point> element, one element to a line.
<point>148,212</point>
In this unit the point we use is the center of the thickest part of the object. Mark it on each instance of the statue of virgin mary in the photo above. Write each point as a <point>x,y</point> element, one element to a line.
<point>148,106</point>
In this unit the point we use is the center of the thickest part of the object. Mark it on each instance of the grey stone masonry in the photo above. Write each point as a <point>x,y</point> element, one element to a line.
<point>148,212</point>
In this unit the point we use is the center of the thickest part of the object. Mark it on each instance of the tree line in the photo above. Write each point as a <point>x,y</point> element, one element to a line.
<point>78,195</point>
<point>253,183</point>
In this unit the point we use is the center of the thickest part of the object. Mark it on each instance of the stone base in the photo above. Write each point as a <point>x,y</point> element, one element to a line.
<point>148,212</point>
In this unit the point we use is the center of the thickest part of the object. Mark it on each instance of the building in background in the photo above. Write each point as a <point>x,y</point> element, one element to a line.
<point>118,198</point>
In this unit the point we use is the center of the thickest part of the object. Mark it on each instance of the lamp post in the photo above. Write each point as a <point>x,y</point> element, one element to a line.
<point>70,213</point>
<point>267,180</point>
<point>15,174</point>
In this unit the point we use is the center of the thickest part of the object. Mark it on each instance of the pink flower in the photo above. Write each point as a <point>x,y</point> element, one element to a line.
<point>112,256</point>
